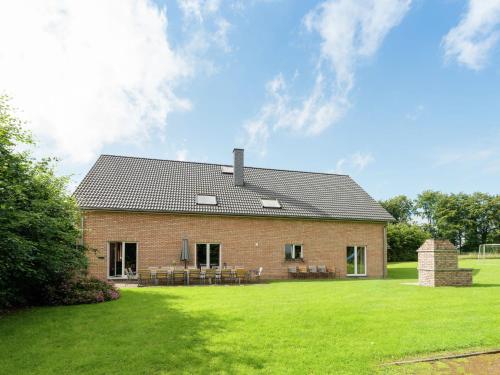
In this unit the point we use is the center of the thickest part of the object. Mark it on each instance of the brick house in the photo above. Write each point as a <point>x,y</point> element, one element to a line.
<point>137,212</point>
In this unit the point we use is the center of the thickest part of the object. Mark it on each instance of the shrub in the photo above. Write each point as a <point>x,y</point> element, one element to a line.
<point>80,290</point>
<point>39,221</point>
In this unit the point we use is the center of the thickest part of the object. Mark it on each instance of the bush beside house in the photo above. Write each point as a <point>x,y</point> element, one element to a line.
<point>41,261</point>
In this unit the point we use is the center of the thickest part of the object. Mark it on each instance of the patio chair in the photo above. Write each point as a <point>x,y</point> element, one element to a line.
<point>162,277</point>
<point>322,271</point>
<point>211,276</point>
<point>331,273</point>
<point>258,274</point>
<point>292,272</point>
<point>194,276</point>
<point>313,271</point>
<point>227,276</point>
<point>144,278</point>
<point>178,277</point>
<point>302,272</point>
<point>241,275</point>
<point>130,274</point>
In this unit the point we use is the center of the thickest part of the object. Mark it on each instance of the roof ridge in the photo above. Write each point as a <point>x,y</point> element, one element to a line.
<point>221,164</point>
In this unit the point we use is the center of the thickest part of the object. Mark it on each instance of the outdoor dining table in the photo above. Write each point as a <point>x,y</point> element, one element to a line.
<point>186,273</point>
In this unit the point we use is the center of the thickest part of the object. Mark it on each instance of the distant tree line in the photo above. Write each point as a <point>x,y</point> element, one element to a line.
<point>467,220</point>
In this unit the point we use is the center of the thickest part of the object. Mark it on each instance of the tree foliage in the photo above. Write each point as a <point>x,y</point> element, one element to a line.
<point>400,207</point>
<point>39,231</point>
<point>467,220</point>
<point>403,240</point>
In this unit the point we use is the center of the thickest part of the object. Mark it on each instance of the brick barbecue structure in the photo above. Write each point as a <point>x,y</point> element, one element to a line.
<point>438,265</point>
<point>138,213</point>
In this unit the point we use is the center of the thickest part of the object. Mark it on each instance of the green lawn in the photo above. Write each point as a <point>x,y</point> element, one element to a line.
<point>283,327</point>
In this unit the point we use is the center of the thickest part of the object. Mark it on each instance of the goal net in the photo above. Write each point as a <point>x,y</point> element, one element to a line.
<point>489,250</point>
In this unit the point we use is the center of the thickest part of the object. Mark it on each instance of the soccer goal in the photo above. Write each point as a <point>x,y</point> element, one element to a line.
<point>488,250</point>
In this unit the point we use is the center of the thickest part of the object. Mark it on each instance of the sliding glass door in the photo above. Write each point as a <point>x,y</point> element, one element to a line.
<point>122,257</point>
<point>207,255</point>
<point>356,260</point>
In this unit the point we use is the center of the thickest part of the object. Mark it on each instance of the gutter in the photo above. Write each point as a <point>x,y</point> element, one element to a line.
<point>315,218</point>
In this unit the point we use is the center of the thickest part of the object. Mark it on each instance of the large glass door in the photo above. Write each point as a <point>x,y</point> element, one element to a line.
<point>122,257</point>
<point>115,259</point>
<point>207,255</point>
<point>356,260</point>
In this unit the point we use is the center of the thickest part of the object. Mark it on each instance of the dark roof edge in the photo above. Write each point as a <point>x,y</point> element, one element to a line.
<point>217,164</point>
<point>320,218</point>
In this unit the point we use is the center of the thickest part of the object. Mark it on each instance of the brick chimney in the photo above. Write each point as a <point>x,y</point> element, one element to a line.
<point>238,173</point>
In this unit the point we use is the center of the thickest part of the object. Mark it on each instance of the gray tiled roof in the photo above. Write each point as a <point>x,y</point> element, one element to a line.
<point>139,184</point>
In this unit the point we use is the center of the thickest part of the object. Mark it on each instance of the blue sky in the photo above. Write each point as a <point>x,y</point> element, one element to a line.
<point>410,102</point>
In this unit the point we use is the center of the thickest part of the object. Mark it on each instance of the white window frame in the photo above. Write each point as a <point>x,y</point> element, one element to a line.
<point>355,274</point>
<point>270,205</point>
<point>123,276</point>
<point>225,169</point>
<point>203,196</point>
<point>207,260</point>
<point>293,251</point>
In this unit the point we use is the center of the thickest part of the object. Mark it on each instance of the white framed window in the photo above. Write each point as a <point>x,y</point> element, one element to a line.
<point>227,169</point>
<point>210,200</point>
<point>270,203</point>
<point>208,255</point>
<point>356,260</point>
<point>294,251</point>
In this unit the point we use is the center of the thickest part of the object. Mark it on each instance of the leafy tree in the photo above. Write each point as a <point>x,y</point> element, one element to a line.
<point>401,207</point>
<point>452,215</point>
<point>403,240</point>
<point>38,221</point>
<point>483,219</point>
<point>426,206</point>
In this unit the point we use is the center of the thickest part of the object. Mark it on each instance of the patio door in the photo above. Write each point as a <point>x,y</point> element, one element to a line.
<point>356,260</point>
<point>122,256</point>
<point>207,255</point>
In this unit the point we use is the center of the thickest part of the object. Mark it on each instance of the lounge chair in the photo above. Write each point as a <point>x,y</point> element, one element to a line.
<point>292,272</point>
<point>313,271</point>
<point>194,276</point>
<point>211,276</point>
<point>302,272</point>
<point>130,274</point>
<point>178,277</point>
<point>162,277</point>
<point>144,278</point>
<point>258,274</point>
<point>241,275</point>
<point>325,272</point>
<point>227,276</point>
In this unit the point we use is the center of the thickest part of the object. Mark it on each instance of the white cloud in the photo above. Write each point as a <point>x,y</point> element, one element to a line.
<point>181,154</point>
<point>471,41</point>
<point>360,161</point>
<point>350,31</point>
<point>90,73</point>
<point>204,22</point>
<point>353,163</point>
<point>198,9</point>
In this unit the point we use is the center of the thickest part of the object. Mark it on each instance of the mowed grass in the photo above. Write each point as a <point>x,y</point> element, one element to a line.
<point>283,327</point>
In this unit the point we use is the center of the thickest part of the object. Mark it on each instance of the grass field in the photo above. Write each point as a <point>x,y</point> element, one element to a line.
<point>283,327</point>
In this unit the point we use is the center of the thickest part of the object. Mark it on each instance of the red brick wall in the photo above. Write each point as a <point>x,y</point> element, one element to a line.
<point>246,242</point>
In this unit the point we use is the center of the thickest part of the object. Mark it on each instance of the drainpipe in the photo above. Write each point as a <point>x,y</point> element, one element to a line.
<point>384,271</point>
<point>81,229</point>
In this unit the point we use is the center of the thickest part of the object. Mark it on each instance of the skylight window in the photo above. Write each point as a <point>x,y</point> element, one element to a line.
<point>210,200</point>
<point>270,203</point>
<point>226,169</point>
